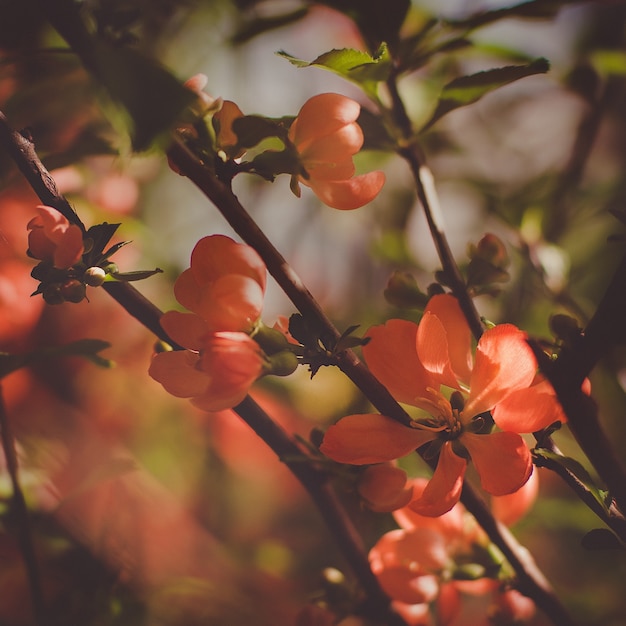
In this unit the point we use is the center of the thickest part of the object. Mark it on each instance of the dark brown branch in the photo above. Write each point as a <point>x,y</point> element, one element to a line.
<point>25,539</point>
<point>534,584</point>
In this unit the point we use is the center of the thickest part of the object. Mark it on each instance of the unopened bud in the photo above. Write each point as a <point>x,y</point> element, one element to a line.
<point>73,291</point>
<point>282,363</point>
<point>94,276</point>
<point>52,294</point>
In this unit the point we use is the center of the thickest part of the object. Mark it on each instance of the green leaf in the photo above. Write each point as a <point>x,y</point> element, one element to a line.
<point>86,348</point>
<point>575,468</point>
<point>152,96</point>
<point>355,65</point>
<point>252,129</point>
<point>128,277</point>
<point>468,89</point>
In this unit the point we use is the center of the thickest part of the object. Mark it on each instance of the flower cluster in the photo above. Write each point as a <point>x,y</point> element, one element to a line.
<point>223,290</point>
<point>498,384</point>
<point>430,562</point>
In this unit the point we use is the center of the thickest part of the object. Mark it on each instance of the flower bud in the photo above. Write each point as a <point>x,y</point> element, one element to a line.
<point>52,294</point>
<point>73,291</point>
<point>282,363</point>
<point>94,276</point>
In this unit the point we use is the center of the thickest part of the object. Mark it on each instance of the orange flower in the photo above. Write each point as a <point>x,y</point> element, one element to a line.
<point>327,136</point>
<point>216,372</point>
<point>414,362</point>
<point>52,238</point>
<point>224,289</point>
<point>224,286</point>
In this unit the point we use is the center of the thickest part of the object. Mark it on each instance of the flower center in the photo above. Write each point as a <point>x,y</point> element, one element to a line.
<point>445,413</point>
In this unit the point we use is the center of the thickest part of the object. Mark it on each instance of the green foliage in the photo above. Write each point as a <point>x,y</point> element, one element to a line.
<point>88,349</point>
<point>360,67</point>
<point>469,89</point>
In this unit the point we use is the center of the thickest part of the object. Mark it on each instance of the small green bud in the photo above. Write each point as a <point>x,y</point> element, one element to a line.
<point>402,291</point>
<point>94,276</point>
<point>282,363</point>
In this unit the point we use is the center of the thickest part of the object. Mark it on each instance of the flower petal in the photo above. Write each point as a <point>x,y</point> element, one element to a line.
<point>504,363</point>
<point>371,438</point>
<point>232,303</point>
<point>349,194</point>
<point>432,347</point>
<point>529,410</point>
<point>322,115</point>
<point>502,460</point>
<point>217,255</point>
<point>392,358</point>
<point>342,144</point>
<point>446,307</point>
<point>444,488</point>
<point>177,373</point>
<point>186,329</point>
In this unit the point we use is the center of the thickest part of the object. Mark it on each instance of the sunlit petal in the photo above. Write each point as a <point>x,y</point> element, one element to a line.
<point>371,438</point>
<point>502,459</point>
<point>432,348</point>
<point>392,358</point>
<point>446,307</point>
<point>444,488</point>
<point>178,374</point>
<point>349,194</point>
<point>504,363</point>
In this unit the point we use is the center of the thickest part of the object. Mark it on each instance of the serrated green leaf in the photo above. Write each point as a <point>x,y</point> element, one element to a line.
<point>354,65</point>
<point>573,466</point>
<point>468,89</point>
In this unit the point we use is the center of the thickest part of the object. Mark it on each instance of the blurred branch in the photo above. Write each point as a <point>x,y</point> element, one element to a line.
<point>376,604</point>
<point>533,583</point>
<point>531,580</point>
<point>25,539</point>
<point>576,360</point>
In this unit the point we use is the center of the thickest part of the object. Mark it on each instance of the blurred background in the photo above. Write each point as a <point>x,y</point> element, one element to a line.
<point>146,511</point>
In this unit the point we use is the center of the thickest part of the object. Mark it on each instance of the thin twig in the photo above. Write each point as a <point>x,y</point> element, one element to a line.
<point>376,603</point>
<point>534,584</point>
<point>24,530</point>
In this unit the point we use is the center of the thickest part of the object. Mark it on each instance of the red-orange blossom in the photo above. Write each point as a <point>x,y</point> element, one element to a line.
<point>415,362</point>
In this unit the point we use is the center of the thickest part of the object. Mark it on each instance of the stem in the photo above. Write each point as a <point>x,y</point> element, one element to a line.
<point>534,584</point>
<point>376,604</point>
<point>226,202</point>
<point>604,329</point>
<point>25,539</point>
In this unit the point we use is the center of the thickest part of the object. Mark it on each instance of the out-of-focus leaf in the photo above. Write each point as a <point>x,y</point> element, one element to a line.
<point>468,89</point>
<point>378,21</point>
<point>252,129</point>
<point>153,98</point>
<point>577,470</point>
<point>533,10</point>
<point>601,539</point>
<point>355,65</point>
<point>403,291</point>
<point>609,62</point>
<point>86,348</point>
<point>375,135</point>
<point>260,25</point>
